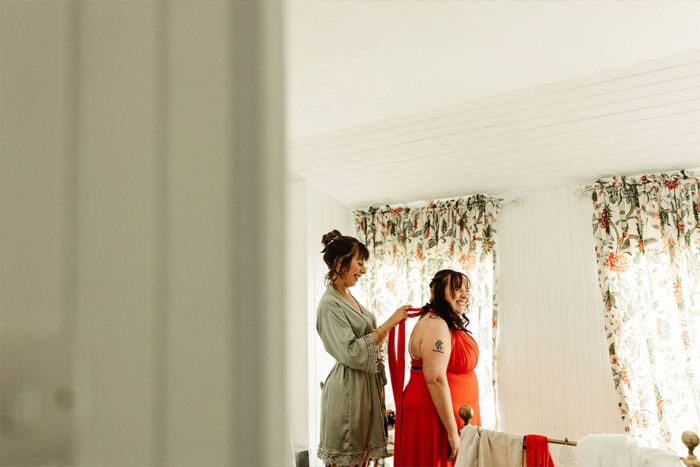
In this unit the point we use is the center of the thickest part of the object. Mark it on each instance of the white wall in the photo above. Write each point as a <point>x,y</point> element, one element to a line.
<point>298,328</point>
<point>553,372</point>
<point>37,233</point>
<point>142,156</point>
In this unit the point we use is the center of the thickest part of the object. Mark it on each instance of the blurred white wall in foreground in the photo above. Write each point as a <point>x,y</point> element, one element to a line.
<point>141,210</point>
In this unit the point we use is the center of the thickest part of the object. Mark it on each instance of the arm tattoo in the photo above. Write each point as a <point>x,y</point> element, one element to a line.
<point>438,347</point>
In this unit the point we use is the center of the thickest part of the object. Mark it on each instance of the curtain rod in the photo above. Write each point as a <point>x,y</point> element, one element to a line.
<point>466,413</point>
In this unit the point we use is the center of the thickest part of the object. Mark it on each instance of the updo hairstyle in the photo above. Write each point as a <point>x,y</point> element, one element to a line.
<point>340,249</point>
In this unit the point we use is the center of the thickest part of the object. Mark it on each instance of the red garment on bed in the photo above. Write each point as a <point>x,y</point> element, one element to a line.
<point>537,452</point>
<point>421,438</point>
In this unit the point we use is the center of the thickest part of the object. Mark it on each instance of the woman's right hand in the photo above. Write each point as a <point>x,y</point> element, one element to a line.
<point>399,315</point>
<point>454,445</point>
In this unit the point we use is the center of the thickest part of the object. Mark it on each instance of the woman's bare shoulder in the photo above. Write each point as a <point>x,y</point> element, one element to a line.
<point>430,324</point>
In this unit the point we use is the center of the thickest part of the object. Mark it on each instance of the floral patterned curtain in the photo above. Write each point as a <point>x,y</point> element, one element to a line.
<point>647,237</point>
<point>409,245</point>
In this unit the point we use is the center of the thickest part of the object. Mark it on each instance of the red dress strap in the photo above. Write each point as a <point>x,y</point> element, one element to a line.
<point>397,369</point>
<point>397,373</point>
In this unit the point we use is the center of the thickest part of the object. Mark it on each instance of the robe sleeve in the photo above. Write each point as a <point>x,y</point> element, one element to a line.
<point>339,340</point>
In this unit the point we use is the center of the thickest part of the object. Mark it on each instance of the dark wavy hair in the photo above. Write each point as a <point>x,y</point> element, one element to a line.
<point>446,281</point>
<point>340,249</point>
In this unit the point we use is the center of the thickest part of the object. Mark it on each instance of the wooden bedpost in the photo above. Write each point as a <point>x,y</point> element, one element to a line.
<point>466,413</point>
<point>690,440</point>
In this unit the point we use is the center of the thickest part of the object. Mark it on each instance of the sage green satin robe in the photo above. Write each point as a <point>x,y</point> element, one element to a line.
<point>353,415</point>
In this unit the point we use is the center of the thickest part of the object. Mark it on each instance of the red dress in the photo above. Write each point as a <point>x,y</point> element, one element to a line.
<point>423,436</point>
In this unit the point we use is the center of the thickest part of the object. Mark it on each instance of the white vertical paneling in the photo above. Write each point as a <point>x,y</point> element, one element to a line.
<point>531,284</point>
<point>556,338</point>
<point>298,329</point>
<point>578,292</point>
<point>541,276</point>
<point>563,241</point>
<point>553,372</point>
<point>506,363</point>
<point>312,342</point>
<point>520,320</point>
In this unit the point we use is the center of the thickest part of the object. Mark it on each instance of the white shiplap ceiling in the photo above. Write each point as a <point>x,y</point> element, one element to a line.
<point>398,101</point>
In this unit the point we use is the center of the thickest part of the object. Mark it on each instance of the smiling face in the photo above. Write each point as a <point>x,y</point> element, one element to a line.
<point>350,274</point>
<point>354,271</point>
<point>458,298</point>
<point>453,288</point>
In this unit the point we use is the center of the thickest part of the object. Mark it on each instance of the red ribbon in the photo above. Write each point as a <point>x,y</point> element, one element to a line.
<point>397,371</point>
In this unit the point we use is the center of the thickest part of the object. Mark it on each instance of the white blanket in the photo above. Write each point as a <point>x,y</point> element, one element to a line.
<point>621,451</point>
<point>659,458</point>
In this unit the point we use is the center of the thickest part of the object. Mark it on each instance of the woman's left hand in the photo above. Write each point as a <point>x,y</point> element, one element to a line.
<point>453,438</point>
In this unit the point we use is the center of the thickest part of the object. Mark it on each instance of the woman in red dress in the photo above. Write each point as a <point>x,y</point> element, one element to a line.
<point>443,357</point>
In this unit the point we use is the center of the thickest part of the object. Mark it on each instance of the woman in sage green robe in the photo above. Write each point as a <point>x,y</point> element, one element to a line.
<point>353,416</point>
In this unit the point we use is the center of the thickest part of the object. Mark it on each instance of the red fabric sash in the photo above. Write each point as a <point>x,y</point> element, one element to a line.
<point>397,371</point>
<point>538,451</point>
